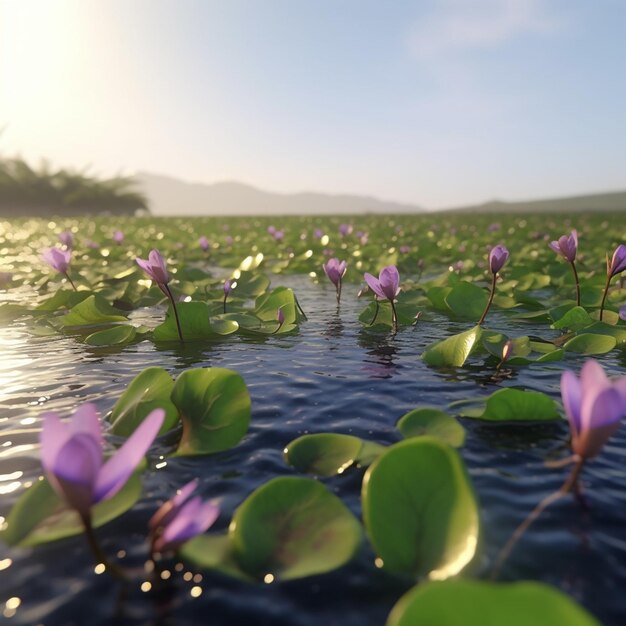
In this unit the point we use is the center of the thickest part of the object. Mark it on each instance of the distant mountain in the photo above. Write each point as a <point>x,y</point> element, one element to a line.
<point>170,196</point>
<point>611,201</point>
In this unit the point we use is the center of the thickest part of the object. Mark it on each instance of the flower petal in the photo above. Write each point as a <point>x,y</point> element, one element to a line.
<point>390,281</point>
<point>117,470</point>
<point>54,435</point>
<point>169,509</point>
<point>374,285</point>
<point>605,413</point>
<point>571,395</point>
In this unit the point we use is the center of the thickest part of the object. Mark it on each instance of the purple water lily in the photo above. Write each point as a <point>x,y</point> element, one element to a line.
<point>567,247</point>
<point>386,287</point>
<point>203,242</point>
<point>155,267</point>
<point>279,235</point>
<point>616,265</point>
<point>59,260</point>
<point>72,459</point>
<point>594,406</point>
<point>498,256</point>
<point>228,287</point>
<point>345,229</point>
<point>181,518</point>
<point>72,456</point>
<point>335,270</point>
<point>66,238</point>
<point>118,237</point>
<point>622,313</point>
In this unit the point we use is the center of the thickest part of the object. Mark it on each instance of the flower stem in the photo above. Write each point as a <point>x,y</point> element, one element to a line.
<point>71,281</point>
<point>225,296</point>
<point>568,485</point>
<point>171,297</point>
<point>375,313</point>
<point>606,291</point>
<point>394,316</point>
<point>577,283</point>
<point>339,292</point>
<point>491,294</point>
<point>97,551</point>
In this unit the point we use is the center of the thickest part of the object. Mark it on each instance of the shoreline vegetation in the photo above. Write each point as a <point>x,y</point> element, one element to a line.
<point>46,191</point>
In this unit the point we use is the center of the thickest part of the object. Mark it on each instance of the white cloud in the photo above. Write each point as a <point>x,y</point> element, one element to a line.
<point>461,25</point>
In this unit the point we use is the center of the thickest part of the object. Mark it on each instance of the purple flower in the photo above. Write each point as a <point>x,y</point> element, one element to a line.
<point>228,285</point>
<point>387,285</point>
<point>622,313</point>
<point>594,406</point>
<point>404,249</point>
<point>335,270</point>
<point>566,246</point>
<point>280,317</point>
<point>318,233</point>
<point>118,237</point>
<point>66,238</point>
<point>617,264</point>
<point>271,230</point>
<point>497,258</point>
<point>71,455</point>
<point>203,242</point>
<point>154,266</point>
<point>278,235</point>
<point>181,519</point>
<point>57,259</point>
<point>493,227</point>
<point>345,229</point>
<point>90,243</point>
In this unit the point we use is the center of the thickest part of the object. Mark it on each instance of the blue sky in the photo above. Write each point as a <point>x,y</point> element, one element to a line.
<point>437,103</point>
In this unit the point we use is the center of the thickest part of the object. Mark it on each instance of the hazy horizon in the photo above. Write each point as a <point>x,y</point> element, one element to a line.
<point>437,104</point>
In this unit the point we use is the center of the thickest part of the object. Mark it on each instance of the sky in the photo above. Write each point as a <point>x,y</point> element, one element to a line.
<point>438,103</point>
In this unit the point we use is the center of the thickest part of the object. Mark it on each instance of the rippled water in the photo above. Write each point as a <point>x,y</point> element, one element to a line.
<point>330,376</point>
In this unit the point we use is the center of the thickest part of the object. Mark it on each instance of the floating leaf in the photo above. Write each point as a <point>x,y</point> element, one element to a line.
<point>328,454</point>
<point>575,319</point>
<point>433,422</point>
<point>39,516</point>
<point>477,603</point>
<point>494,344</point>
<point>149,390</point>
<point>514,405</point>
<point>266,306</point>
<point>214,406</point>
<point>419,509</point>
<point>293,527</point>
<point>93,310</point>
<point>194,322</point>
<point>588,343</point>
<point>467,300</point>
<point>116,336</point>
<point>453,351</point>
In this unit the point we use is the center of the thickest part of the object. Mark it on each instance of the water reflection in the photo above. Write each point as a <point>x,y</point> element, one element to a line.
<point>383,350</point>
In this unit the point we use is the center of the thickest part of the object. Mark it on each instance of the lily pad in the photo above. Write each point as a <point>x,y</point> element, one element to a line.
<point>93,310</point>
<point>293,527</point>
<point>453,351</point>
<point>150,390</point>
<point>328,454</point>
<point>589,343</point>
<point>514,405</point>
<point>194,323</point>
<point>267,305</point>
<point>116,336</point>
<point>426,421</point>
<point>477,603</point>
<point>214,406</point>
<point>575,319</point>
<point>467,300</point>
<point>40,516</point>
<point>420,510</point>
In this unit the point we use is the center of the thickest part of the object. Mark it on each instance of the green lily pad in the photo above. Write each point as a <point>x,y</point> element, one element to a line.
<point>93,310</point>
<point>116,336</point>
<point>267,305</point>
<point>477,603</point>
<point>40,516</point>
<point>589,343</point>
<point>575,319</point>
<point>420,510</point>
<point>433,422</point>
<point>293,527</point>
<point>214,406</point>
<point>494,344</point>
<point>329,454</point>
<point>453,351</point>
<point>63,299</point>
<point>150,390</point>
<point>467,300</point>
<point>194,323</point>
<point>514,405</point>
